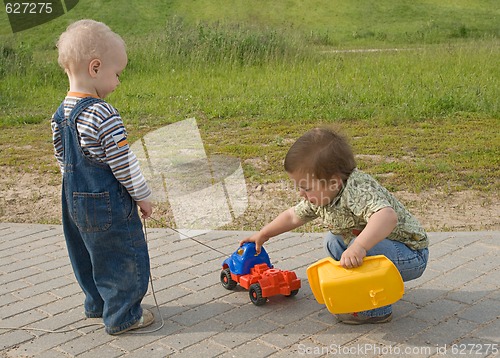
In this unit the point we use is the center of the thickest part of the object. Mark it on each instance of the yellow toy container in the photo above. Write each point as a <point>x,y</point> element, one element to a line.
<point>376,283</point>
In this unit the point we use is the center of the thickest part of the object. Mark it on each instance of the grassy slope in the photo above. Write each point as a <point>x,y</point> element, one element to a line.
<point>416,107</point>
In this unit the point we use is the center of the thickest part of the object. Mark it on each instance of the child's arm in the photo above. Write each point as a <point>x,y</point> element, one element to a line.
<point>284,222</point>
<point>379,226</point>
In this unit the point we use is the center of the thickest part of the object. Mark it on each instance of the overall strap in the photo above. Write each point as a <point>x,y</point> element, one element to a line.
<point>80,107</point>
<point>75,112</point>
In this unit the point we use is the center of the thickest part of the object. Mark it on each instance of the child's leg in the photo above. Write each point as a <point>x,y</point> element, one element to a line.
<point>334,245</point>
<point>121,272</point>
<point>118,254</point>
<point>82,265</point>
<point>410,263</point>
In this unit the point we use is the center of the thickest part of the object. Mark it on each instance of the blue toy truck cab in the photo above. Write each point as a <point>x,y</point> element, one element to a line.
<point>241,261</point>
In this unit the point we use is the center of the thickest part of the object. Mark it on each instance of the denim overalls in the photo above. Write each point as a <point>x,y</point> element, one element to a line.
<point>103,232</point>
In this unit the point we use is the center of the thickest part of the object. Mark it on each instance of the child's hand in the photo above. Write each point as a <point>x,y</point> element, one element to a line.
<point>353,256</point>
<point>146,208</point>
<point>259,240</point>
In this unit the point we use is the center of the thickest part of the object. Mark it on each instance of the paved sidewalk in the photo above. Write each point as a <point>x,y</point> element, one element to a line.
<point>453,308</point>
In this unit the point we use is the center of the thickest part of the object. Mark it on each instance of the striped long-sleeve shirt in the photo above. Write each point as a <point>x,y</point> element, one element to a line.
<point>103,138</point>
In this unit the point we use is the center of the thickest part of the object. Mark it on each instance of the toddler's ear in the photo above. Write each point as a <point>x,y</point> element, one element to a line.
<point>94,67</point>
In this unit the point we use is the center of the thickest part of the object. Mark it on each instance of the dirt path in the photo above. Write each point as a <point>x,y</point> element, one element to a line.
<point>30,198</point>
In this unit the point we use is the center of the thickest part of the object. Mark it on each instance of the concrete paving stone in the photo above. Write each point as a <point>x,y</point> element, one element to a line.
<point>192,335</point>
<point>105,351</point>
<point>20,235</point>
<point>60,263</point>
<point>253,349</point>
<point>484,265</point>
<point>25,259</point>
<point>71,289</point>
<point>291,309</point>
<point>202,349</point>
<point>7,250</point>
<point>42,287</point>
<point>171,294</point>
<point>236,315</point>
<point>169,266</point>
<point>83,343</point>
<point>291,264</point>
<point>47,275</point>
<point>472,291</point>
<point>337,334</point>
<point>202,282</point>
<point>451,302</point>
<point>167,281</point>
<point>428,275</point>
<point>401,330</point>
<point>235,336</point>
<point>204,296</point>
<point>490,331</point>
<point>285,336</point>
<point>483,311</point>
<point>52,353</point>
<point>208,255</point>
<point>448,262</point>
<point>7,299</point>
<point>439,249</point>
<point>56,323</point>
<point>494,295</point>
<point>403,308</point>
<point>61,305</point>
<point>11,339</point>
<point>21,274</point>
<point>424,294</point>
<point>206,267</point>
<point>133,340</point>
<point>25,305</point>
<point>445,332</point>
<point>463,239</point>
<point>13,286</point>
<point>23,319</point>
<point>42,343</point>
<point>456,278</point>
<point>151,351</point>
<point>476,251</point>
<point>200,313</point>
<point>439,310</point>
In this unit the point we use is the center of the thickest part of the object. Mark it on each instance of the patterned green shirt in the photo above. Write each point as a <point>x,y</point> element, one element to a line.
<point>351,209</point>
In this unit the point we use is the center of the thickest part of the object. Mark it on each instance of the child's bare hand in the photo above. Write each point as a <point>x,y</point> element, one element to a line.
<point>258,239</point>
<point>353,256</point>
<point>146,208</point>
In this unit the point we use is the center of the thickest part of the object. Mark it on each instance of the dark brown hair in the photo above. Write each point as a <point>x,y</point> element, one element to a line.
<point>322,152</point>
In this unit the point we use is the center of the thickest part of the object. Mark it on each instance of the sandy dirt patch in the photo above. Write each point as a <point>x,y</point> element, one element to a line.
<point>33,198</point>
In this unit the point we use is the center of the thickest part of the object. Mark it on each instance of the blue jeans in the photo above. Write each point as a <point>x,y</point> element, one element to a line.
<point>410,263</point>
<point>103,233</point>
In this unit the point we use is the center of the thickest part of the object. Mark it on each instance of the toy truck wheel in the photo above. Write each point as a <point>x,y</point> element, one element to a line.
<point>293,293</point>
<point>225,279</point>
<point>255,293</point>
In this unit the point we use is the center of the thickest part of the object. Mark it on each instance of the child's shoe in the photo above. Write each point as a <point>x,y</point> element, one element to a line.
<point>146,319</point>
<point>356,318</point>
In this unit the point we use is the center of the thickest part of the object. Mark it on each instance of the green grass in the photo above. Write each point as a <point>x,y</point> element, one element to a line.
<point>256,75</point>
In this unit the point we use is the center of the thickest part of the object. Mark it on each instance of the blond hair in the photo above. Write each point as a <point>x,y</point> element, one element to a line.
<point>84,41</point>
<point>321,152</point>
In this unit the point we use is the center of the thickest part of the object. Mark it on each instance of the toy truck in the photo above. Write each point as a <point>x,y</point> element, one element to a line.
<point>256,274</point>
